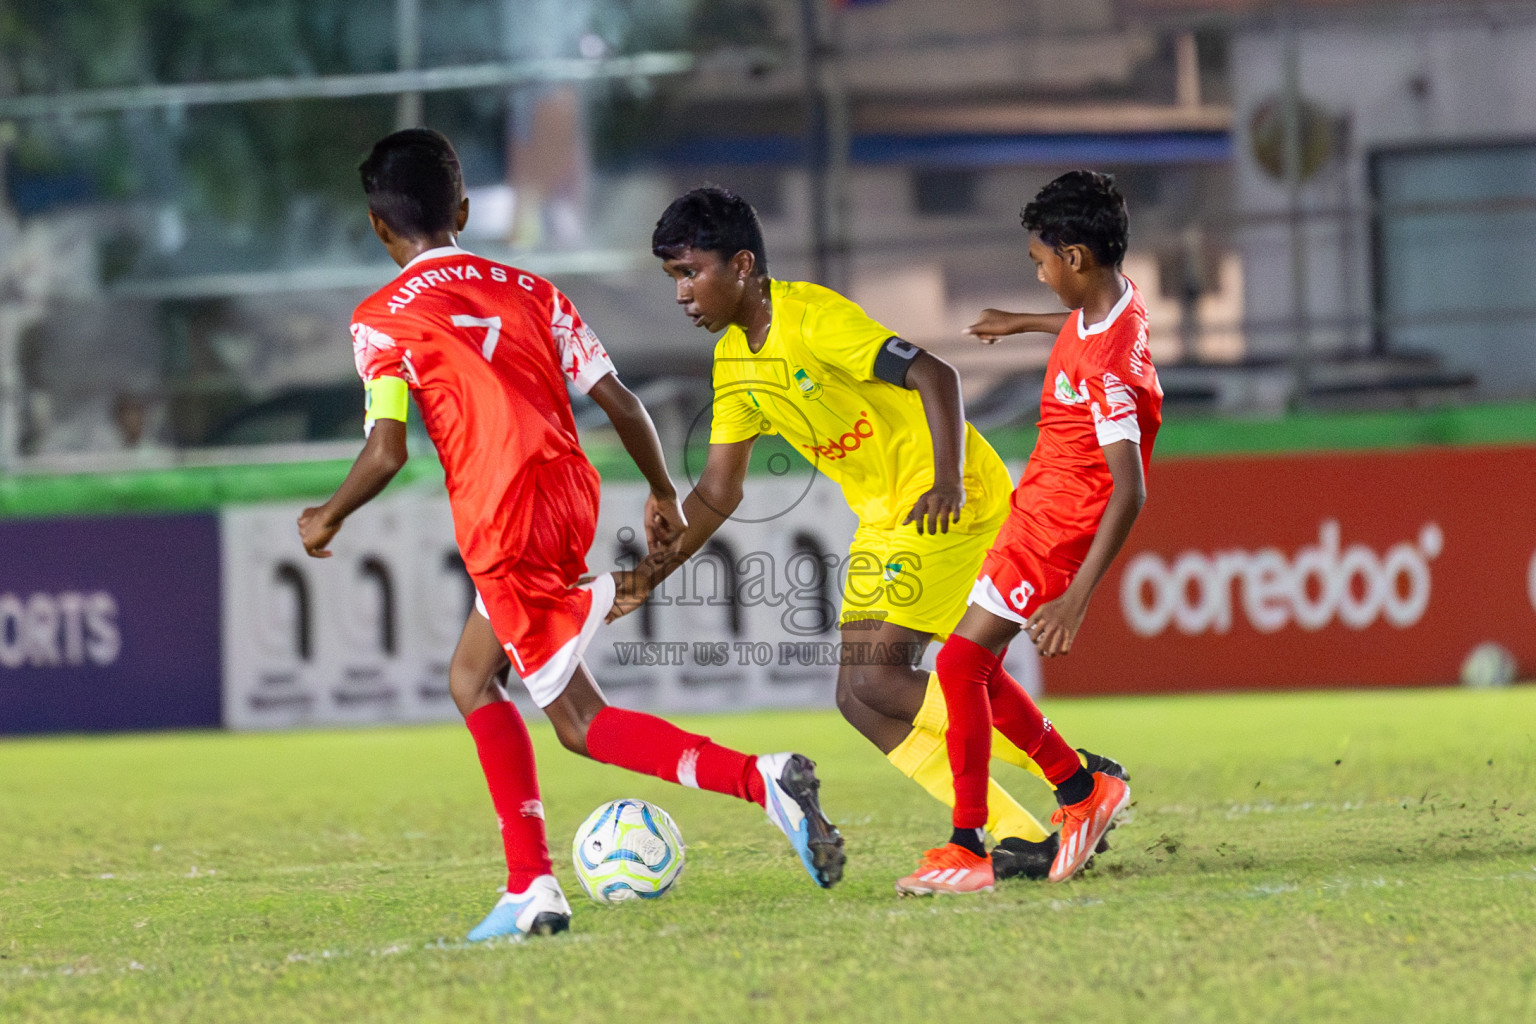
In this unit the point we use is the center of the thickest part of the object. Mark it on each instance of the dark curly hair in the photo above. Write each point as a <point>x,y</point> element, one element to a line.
<point>712,219</point>
<point>413,182</point>
<point>1081,208</point>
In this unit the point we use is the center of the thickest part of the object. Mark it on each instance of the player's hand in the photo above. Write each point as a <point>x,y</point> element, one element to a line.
<point>664,522</point>
<point>316,531</point>
<point>1054,625</point>
<point>938,506</point>
<point>633,586</point>
<point>993,324</point>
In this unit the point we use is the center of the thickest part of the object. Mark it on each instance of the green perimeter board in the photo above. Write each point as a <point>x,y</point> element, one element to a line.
<point>209,487</point>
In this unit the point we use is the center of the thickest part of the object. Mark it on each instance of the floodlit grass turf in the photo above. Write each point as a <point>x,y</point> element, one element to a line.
<point>1321,857</point>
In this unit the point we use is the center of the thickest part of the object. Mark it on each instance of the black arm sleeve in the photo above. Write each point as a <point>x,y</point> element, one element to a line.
<point>894,360</point>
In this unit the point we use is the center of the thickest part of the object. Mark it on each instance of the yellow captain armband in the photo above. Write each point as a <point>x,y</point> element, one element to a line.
<point>387,398</point>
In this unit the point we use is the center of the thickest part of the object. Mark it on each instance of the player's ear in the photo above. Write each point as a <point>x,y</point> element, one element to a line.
<point>463,217</point>
<point>1078,258</point>
<point>381,229</point>
<point>743,264</point>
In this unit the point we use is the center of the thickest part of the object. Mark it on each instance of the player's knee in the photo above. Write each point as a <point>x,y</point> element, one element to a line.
<point>464,690</point>
<point>867,683</point>
<point>472,686</point>
<point>570,726</point>
<point>573,738</point>
<point>848,703</point>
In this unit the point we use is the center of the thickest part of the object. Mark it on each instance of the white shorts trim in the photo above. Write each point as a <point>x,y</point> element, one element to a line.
<point>984,593</point>
<point>548,682</point>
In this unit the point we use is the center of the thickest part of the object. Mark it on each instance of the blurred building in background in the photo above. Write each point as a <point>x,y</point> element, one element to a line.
<point>1399,237</point>
<point>1328,199</point>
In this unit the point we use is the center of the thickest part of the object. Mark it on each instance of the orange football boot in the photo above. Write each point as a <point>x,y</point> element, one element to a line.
<point>948,868</point>
<point>1084,823</point>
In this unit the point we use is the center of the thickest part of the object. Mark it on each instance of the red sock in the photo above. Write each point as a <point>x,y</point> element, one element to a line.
<point>506,757</point>
<point>653,746</point>
<point>1019,718</point>
<point>964,668</point>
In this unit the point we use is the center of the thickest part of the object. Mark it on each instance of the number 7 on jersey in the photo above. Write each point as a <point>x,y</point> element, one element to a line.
<point>492,325</point>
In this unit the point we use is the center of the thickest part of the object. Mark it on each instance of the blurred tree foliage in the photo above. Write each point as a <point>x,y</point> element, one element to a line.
<point>240,162</point>
<point>245,163</point>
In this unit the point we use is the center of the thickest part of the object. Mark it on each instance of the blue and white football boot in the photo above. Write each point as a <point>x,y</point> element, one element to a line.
<point>791,782</point>
<point>540,909</point>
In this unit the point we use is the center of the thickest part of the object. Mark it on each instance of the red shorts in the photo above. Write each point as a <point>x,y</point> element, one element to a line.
<point>1014,578</point>
<point>542,618</point>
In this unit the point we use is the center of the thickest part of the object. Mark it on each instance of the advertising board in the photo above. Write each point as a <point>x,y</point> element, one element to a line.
<point>109,623</point>
<point>366,635</point>
<point>1324,570</point>
<point>363,636</point>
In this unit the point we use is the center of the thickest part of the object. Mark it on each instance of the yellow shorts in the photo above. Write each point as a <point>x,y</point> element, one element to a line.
<point>917,580</point>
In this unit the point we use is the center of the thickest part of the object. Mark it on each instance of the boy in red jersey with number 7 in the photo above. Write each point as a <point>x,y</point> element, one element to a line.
<point>487,351</point>
<point>1070,514</point>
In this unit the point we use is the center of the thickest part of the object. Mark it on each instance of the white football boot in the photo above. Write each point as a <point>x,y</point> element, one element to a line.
<point>791,782</point>
<point>540,909</point>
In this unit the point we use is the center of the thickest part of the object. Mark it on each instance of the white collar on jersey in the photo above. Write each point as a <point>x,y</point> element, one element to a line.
<point>1102,325</point>
<point>436,254</point>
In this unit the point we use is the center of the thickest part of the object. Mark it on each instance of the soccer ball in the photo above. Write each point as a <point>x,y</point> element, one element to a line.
<point>1489,664</point>
<point>626,850</point>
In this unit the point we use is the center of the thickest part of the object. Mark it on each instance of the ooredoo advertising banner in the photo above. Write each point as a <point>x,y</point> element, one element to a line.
<point>109,623</point>
<point>1293,571</point>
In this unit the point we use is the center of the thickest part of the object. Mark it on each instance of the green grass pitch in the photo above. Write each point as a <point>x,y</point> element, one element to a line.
<point>1314,857</point>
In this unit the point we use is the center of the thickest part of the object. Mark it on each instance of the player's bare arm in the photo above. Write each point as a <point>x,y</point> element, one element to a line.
<point>996,323</point>
<point>707,506</point>
<point>376,465</point>
<point>1054,625</point>
<point>939,385</point>
<point>664,519</point>
<point>714,497</point>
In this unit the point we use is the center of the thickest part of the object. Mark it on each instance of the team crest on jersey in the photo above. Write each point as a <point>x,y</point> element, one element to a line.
<point>1066,394</point>
<point>892,570</point>
<point>808,387</point>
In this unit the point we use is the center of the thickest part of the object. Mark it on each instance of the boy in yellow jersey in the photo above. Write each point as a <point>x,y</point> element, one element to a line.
<point>885,420</point>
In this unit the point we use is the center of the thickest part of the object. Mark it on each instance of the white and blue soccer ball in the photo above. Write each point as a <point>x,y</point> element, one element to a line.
<point>1489,665</point>
<point>627,850</point>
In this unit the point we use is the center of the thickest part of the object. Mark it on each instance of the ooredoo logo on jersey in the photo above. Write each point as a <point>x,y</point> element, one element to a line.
<point>839,447</point>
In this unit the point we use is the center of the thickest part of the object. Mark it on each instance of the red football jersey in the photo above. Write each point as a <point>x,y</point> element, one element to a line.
<point>486,350</point>
<point>1100,387</point>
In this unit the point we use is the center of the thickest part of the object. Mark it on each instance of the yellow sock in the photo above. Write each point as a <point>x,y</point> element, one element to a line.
<point>923,758</point>
<point>934,716</point>
<point>1004,750</point>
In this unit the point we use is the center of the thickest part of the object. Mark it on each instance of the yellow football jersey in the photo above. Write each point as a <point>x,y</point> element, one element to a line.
<point>813,383</point>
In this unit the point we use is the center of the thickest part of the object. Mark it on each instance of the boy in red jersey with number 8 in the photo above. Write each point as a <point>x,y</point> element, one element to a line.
<point>1070,514</point>
<point>487,351</point>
